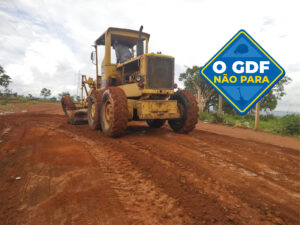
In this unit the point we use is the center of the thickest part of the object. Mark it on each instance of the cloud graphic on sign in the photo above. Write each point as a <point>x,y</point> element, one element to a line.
<point>241,49</point>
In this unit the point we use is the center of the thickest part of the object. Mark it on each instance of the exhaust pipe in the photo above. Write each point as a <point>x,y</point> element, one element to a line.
<point>140,44</point>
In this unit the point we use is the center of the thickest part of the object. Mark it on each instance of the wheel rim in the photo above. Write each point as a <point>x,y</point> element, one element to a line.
<point>108,112</point>
<point>93,111</point>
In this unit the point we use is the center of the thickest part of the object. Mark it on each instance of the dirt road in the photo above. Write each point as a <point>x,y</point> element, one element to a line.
<point>55,173</point>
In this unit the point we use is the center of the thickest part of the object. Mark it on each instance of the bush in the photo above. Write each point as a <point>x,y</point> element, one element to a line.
<point>267,117</point>
<point>216,118</point>
<point>287,125</point>
<point>53,99</point>
<point>204,116</point>
<point>247,117</point>
<point>291,124</point>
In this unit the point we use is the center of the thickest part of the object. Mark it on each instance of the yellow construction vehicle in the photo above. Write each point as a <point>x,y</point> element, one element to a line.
<point>140,88</point>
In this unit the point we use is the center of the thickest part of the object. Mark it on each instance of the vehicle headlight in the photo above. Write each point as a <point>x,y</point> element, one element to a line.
<point>139,78</point>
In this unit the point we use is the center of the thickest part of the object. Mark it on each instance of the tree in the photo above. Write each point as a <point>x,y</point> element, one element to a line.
<point>269,102</point>
<point>45,92</point>
<point>199,86</point>
<point>53,99</point>
<point>5,80</point>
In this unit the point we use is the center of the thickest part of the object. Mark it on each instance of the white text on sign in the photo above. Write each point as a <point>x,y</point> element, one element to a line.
<point>242,67</point>
<point>239,67</point>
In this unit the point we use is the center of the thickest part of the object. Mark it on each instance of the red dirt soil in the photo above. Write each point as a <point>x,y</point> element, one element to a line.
<point>52,172</point>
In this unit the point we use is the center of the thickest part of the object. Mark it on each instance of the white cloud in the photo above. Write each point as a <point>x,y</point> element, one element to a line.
<point>48,63</point>
<point>22,73</point>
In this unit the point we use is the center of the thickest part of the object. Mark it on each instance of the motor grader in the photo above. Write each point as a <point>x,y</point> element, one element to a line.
<point>141,88</point>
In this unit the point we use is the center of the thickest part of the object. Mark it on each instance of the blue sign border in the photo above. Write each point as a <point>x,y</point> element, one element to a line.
<point>265,91</point>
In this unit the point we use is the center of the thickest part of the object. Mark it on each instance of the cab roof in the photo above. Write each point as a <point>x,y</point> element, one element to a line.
<point>125,36</point>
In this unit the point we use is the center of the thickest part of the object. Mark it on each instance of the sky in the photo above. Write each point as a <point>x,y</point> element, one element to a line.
<point>47,43</point>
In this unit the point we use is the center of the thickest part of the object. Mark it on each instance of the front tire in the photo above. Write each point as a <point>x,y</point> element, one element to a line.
<point>187,105</point>
<point>114,112</point>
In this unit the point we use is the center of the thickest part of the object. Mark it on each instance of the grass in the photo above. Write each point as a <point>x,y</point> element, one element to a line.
<point>6,106</point>
<point>15,99</point>
<point>7,103</point>
<point>23,99</point>
<point>288,125</point>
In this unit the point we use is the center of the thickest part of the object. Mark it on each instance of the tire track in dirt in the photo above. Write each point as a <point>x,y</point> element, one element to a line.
<point>235,161</point>
<point>221,194</point>
<point>143,201</point>
<point>240,179</point>
<point>69,190</point>
<point>203,183</point>
<point>196,201</point>
<point>157,177</point>
<point>52,189</point>
<point>268,208</point>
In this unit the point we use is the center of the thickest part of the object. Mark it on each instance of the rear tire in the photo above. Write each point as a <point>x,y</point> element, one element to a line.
<point>114,112</point>
<point>187,105</point>
<point>155,123</point>
<point>94,104</point>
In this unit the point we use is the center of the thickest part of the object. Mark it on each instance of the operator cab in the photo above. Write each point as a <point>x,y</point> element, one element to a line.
<point>129,38</point>
<point>126,72</point>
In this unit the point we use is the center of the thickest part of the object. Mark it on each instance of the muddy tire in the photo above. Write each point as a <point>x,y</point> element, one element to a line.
<point>189,112</point>
<point>68,105</point>
<point>114,112</point>
<point>94,104</point>
<point>157,123</point>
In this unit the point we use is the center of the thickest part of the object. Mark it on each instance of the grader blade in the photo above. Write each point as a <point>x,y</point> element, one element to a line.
<point>78,116</point>
<point>75,116</point>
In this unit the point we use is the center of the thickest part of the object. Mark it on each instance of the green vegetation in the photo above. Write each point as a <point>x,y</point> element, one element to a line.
<point>16,99</point>
<point>7,103</point>
<point>12,99</point>
<point>5,79</point>
<point>291,124</point>
<point>6,106</point>
<point>45,92</point>
<point>287,125</point>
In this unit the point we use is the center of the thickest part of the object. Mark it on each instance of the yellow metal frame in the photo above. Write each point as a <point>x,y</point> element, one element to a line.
<point>153,109</point>
<point>155,91</point>
<point>157,109</point>
<point>131,90</point>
